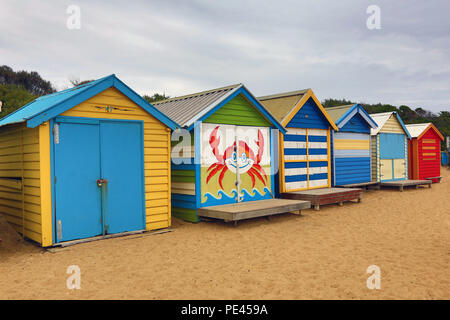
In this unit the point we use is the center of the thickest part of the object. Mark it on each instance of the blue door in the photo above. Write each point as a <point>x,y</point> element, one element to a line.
<point>77,168</point>
<point>122,165</point>
<point>393,160</point>
<point>89,150</point>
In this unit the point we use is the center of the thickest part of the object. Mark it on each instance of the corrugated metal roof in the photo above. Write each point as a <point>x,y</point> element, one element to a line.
<point>44,103</point>
<point>51,105</point>
<point>281,105</point>
<point>416,130</point>
<point>183,110</point>
<point>337,112</point>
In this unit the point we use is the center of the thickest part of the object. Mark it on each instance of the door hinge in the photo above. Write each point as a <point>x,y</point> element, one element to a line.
<point>56,133</point>
<point>59,229</point>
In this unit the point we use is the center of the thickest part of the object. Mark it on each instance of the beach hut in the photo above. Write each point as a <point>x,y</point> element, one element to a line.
<point>227,153</point>
<point>88,161</point>
<point>304,151</point>
<point>350,146</point>
<point>389,148</point>
<point>424,151</point>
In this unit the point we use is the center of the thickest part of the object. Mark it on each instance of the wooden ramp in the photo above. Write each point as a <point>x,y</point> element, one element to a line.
<point>319,197</point>
<point>252,209</point>
<point>363,185</point>
<point>406,183</point>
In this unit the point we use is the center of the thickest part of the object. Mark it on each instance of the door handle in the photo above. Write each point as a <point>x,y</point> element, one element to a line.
<point>100,182</point>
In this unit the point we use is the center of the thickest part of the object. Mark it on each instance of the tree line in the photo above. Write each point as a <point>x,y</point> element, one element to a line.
<point>18,88</point>
<point>409,116</point>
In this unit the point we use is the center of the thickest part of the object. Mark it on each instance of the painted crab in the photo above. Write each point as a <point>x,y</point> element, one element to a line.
<point>241,157</point>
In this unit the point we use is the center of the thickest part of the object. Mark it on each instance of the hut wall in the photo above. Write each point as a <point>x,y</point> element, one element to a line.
<point>112,104</point>
<point>20,193</point>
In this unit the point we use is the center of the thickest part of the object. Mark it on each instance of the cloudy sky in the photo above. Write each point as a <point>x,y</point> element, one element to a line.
<point>181,46</point>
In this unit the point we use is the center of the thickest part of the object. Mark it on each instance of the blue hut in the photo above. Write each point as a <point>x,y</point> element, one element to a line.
<point>350,146</point>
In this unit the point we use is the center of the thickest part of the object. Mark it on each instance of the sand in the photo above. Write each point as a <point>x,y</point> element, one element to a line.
<point>320,255</point>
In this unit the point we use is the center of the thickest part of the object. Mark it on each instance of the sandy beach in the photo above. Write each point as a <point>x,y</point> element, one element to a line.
<point>320,255</point>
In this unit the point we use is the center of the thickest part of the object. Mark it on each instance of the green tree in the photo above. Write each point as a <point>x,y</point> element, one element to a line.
<point>13,97</point>
<point>30,81</point>
<point>155,97</point>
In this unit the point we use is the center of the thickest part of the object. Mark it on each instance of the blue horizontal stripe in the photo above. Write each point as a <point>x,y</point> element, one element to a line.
<point>317,138</point>
<point>352,170</point>
<point>294,137</point>
<point>183,204</point>
<point>177,167</point>
<point>318,176</point>
<point>294,165</point>
<point>351,136</point>
<point>351,153</point>
<point>300,177</point>
<point>294,152</point>
<point>179,161</point>
<point>318,164</point>
<point>317,151</point>
<point>182,197</point>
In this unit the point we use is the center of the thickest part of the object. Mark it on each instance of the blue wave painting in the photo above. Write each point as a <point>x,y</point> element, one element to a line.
<point>256,194</point>
<point>222,198</point>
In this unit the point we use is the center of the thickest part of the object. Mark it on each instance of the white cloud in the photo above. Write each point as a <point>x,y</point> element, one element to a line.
<point>178,47</point>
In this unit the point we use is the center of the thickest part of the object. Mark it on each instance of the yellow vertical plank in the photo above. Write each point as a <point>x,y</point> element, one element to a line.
<point>169,192</point>
<point>45,180</point>
<point>329,157</point>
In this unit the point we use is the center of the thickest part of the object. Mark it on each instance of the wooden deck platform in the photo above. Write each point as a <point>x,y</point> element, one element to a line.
<point>252,209</point>
<point>435,179</point>
<point>406,183</point>
<point>323,196</point>
<point>363,185</point>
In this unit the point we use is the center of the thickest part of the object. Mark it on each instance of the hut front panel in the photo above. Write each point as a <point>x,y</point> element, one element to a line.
<point>393,148</point>
<point>429,146</point>
<point>112,104</point>
<point>306,150</point>
<point>352,158</point>
<point>222,167</point>
<point>306,159</point>
<point>20,192</point>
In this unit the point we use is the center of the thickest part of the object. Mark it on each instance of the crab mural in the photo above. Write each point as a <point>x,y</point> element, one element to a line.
<point>240,158</point>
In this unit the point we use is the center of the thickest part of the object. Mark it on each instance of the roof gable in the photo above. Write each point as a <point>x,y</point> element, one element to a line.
<point>309,116</point>
<point>200,106</point>
<point>238,111</point>
<point>419,129</point>
<point>343,115</point>
<point>46,107</point>
<point>288,109</point>
<point>382,118</point>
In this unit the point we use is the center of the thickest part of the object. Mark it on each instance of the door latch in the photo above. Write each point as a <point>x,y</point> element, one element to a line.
<point>100,182</point>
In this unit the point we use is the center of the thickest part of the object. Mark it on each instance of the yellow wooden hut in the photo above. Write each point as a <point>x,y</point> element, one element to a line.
<point>84,162</point>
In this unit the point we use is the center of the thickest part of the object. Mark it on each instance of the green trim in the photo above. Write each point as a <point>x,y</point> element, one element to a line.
<point>183,176</point>
<point>239,111</point>
<point>189,215</point>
